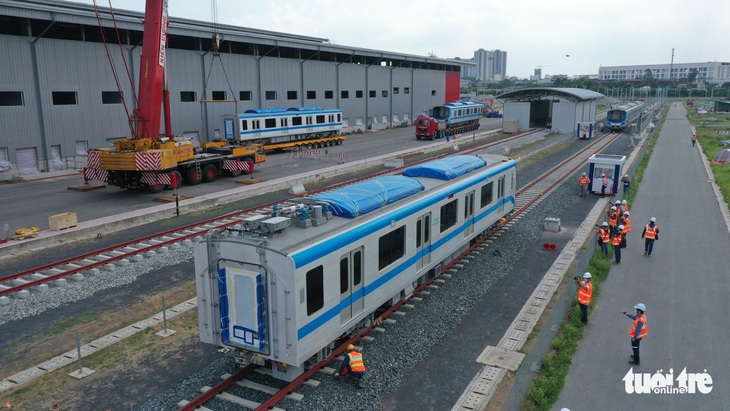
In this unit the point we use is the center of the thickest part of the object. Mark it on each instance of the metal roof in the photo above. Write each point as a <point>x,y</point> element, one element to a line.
<point>572,94</point>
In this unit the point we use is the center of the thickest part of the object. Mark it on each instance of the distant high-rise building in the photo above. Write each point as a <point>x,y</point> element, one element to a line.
<point>491,65</point>
<point>467,71</point>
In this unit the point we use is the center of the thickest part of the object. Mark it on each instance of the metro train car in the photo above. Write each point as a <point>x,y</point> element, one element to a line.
<point>282,287</point>
<point>618,118</point>
<point>458,113</point>
<point>279,125</point>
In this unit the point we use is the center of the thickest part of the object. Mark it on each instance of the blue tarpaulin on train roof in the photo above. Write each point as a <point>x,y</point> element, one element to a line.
<point>446,168</point>
<point>366,196</point>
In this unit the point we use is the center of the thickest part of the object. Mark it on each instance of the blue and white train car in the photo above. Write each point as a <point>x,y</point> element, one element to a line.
<point>618,118</point>
<point>279,125</point>
<point>280,288</point>
<point>458,114</point>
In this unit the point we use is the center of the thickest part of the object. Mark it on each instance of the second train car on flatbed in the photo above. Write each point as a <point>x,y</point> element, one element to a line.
<point>280,288</point>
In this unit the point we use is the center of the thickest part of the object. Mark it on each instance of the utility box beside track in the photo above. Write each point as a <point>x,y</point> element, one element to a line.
<point>62,221</point>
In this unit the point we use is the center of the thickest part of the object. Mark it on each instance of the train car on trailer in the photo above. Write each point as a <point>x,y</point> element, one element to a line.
<point>618,118</point>
<point>280,288</point>
<point>279,128</point>
<point>449,119</point>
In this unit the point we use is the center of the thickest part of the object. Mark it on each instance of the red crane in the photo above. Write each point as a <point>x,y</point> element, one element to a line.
<point>152,74</point>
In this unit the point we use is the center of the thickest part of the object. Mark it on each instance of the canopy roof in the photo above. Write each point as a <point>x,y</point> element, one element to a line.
<point>575,95</point>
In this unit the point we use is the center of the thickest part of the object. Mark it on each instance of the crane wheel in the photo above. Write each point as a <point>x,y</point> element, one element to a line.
<point>210,173</point>
<point>193,177</point>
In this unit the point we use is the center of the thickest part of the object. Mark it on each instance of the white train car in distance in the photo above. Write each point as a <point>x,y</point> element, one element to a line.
<point>280,288</point>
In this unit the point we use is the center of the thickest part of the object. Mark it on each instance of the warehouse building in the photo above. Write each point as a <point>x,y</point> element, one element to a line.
<point>59,95</point>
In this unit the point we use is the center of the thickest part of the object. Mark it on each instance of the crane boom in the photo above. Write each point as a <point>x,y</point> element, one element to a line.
<point>151,70</point>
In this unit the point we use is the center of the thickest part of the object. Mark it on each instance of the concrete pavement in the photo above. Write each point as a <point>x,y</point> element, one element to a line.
<point>683,284</point>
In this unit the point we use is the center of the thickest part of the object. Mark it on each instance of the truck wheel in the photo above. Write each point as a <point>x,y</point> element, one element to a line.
<point>156,188</point>
<point>179,181</point>
<point>209,173</point>
<point>193,177</point>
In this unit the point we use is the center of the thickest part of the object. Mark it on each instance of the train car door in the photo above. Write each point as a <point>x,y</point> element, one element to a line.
<point>469,214</point>
<point>423,241</point>
<point>500,194</point>
<point>351,284</point>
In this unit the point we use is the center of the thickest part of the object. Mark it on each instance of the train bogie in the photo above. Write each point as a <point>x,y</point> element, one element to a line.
<point>280,288</point>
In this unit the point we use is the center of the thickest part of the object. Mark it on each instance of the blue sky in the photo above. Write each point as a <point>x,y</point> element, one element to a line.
<point>534,33</point>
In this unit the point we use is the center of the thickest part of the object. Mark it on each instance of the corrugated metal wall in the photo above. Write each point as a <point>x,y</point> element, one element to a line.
<point>83,68</point>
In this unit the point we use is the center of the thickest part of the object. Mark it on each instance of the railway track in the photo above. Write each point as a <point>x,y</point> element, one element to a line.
<point>38,279</point>
<point>527,197</point>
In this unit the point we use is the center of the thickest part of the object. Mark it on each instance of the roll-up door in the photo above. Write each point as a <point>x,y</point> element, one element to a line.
<point>56,161</point>
<point>27,160</point>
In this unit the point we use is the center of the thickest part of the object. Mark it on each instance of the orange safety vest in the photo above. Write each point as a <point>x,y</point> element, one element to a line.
<point>617,239</point>
<point>584,180</point>
<point>356,363</point>
<point>644,326</point>
<point>694,138</point>
<point>627,226</point>
<point>624,208</point>
<point>651,232</point>
<point>584,296</point>
<point>604,234</point>
<point>613,218</point>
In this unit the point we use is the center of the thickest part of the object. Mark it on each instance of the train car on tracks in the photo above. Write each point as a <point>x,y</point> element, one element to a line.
<point>620,117</point>
<point>282,286</point>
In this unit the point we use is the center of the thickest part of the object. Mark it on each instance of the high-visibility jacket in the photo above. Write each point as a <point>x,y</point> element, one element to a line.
<point>613,218</point>
<point>624,208</point>
<point>583,181</point>
<point>617,239</point>
<point>584,296</point>
<point>644,327</point>
<point>604,234</point>
<point>627,226</point>
<point>694,137</point>
<point>356,363</point>
<point>651,232</point>
<point>605,181</point>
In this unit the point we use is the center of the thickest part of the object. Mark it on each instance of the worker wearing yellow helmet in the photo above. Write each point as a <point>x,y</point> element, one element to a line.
<point>353,365</point>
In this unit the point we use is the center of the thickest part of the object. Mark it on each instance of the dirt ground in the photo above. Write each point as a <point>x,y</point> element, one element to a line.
<point>125,374</point>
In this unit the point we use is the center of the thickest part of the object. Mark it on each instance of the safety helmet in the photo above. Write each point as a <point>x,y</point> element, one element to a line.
<point>621,227</point>
<point>653,220</point>
<point>626,213</point>
<point>350,347</point>
<point>640,306</point>
<point>624,202</point>
<point>617,202</point>
<point>613,208</point>
<point>604,224</point>
<point>584,173</point>
<point>587,275</point>
<point>626,175</point>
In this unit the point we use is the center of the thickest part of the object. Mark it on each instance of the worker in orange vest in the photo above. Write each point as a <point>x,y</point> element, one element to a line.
<point>650,234</point>
<point>604,185</point>
<point>585,292</point>
<point>583,181</point>
<point>619,242</point>
<point>624,206</point>
<point>604,237</point>
<point>354,365</point>
<point>626,222</point>
<point>694,139</point>
<point>638,331</point>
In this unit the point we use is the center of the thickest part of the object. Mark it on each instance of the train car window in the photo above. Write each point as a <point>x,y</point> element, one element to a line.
<point>270,123</point>
<point>296,121</point>
<point>244,125</point>
<point>391,247</point>
<point>344,275</point>
<point>255,124</point>
<point>500,187</point>
<point>357,268</point>
<point>309,120</point>
<point>448,215</point>
<point>486,194</point>
<point>315,289</point>
<point>285,122</point>
<point>320,119</point>
<point>427,228</point>
<point>339,118</point>
<point>418,233</point>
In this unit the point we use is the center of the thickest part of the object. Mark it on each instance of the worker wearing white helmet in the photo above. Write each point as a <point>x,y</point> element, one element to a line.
<point>624,206</point>
<point>585,292</point>
<point>638,331</point>
<point>604,237</point>
<point>626,222</point>
<point>627,186</point>
<point>650,234</point>
<point>619,242</point>
<point>583,182</point>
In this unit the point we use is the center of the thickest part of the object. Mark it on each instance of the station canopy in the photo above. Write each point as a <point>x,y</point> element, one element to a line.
<point>575,95</point>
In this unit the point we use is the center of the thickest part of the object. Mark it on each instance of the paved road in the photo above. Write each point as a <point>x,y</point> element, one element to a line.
<point>683,284</point>
<point>26,205</point>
